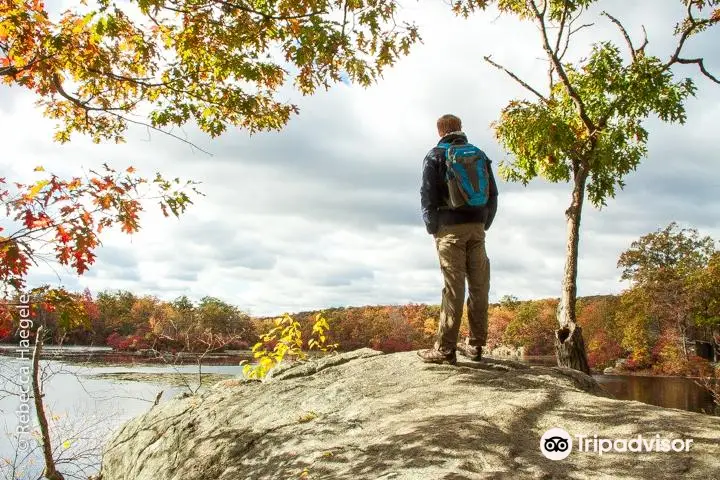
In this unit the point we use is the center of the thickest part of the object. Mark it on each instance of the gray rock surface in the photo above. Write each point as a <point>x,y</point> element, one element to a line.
<point>366,415</point>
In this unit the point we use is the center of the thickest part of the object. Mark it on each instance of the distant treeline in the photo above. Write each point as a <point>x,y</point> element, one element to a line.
<point>128,322</point>
<point>674,300</point>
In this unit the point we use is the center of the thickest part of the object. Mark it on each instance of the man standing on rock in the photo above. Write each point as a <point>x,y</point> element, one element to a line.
<point>459,201</point>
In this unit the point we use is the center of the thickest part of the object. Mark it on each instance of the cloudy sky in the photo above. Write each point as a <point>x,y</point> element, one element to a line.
<point>327,212</point>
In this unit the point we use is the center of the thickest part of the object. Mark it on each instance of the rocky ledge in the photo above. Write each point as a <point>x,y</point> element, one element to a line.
<point>365,415</point>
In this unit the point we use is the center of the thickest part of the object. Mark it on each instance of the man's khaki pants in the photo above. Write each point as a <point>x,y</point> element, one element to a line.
<point>461,249</point>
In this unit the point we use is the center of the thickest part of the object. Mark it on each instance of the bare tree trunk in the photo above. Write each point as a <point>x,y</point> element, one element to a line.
<point>683,336</point>
<point>51,472</point>
<point>569,343</point>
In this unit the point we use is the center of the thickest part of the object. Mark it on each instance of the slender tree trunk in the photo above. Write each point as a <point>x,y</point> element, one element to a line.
<point>683,337</point>
<point>569,343</point>
<point>51,472</point>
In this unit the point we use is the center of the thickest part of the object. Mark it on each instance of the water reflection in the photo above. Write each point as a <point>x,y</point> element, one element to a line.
<point>668,392</point>
<point>84,410</point>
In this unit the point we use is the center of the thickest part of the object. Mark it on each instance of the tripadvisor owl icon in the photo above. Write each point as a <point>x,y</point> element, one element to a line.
<point>556,444</point>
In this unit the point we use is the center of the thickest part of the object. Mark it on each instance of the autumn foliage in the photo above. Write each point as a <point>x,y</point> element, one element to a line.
<point>97,67</point>
<point>65,217</point>
<point>127,322</point>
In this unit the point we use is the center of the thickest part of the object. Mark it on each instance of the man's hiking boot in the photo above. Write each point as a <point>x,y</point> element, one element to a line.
<point>436,356</point>
<point>470,351</point>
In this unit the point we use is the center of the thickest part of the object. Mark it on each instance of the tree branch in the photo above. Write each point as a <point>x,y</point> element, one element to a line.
<point>516,78</point>
<point>641,49</point>
<point>113,111</point>
<point>700,62</point>
<point>236,6</point>
<point>8,71</point>
<point>558,41</point>
<point>573,32</point>
<point>693,25</point>
<point>589,125</point>
<point>633,51</point>
<point>563,19</point>
<point>76,101</point>
<point>160,130</point>
<point>11,70</point>
<point>684,36</point>
<point>545,7</point>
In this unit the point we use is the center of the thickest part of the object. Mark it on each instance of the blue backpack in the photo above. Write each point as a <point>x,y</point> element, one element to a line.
<point>467,176</point>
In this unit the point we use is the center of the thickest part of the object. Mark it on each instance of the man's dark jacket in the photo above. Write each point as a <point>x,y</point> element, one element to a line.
<point>434,192</point>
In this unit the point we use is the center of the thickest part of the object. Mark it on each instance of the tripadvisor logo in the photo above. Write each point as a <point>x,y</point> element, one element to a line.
<point>556,444</point>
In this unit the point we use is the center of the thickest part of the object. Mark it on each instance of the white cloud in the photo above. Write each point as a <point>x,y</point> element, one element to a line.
<point>326,212</point>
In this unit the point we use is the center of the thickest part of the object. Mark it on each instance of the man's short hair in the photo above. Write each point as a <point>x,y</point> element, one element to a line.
<point>448,123</point>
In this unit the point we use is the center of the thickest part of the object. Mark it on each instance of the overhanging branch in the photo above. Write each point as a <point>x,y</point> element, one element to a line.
<point>160,130</point>
<point>114,112</point>
<point>267,16</point>
<point>8,71</point>
<point>693,24</point>
<point>516,78</point>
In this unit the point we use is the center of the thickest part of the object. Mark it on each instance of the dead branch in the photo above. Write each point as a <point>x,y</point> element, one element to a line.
<point>582,112</point>
<point>641,49</point>
<point>516,78</point>
<point>628,40</point>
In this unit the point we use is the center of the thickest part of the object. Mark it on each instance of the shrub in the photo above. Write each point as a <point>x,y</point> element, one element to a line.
<point>285,340</point>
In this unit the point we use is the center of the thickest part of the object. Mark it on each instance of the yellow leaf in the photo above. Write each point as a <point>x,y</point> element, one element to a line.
<point>36,189</point>
<point>39,168</point>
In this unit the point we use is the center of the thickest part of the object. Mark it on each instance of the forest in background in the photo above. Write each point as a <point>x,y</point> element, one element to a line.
<point>674,301</point>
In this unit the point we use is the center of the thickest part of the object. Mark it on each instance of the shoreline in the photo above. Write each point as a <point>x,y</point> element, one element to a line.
<point>90,353</point>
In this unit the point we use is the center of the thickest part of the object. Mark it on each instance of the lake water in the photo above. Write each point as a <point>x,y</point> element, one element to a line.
<point>669,392</point>
<point>85,410</point>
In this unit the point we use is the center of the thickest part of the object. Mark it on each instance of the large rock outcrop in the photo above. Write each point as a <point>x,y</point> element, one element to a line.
<point>366,415</point>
